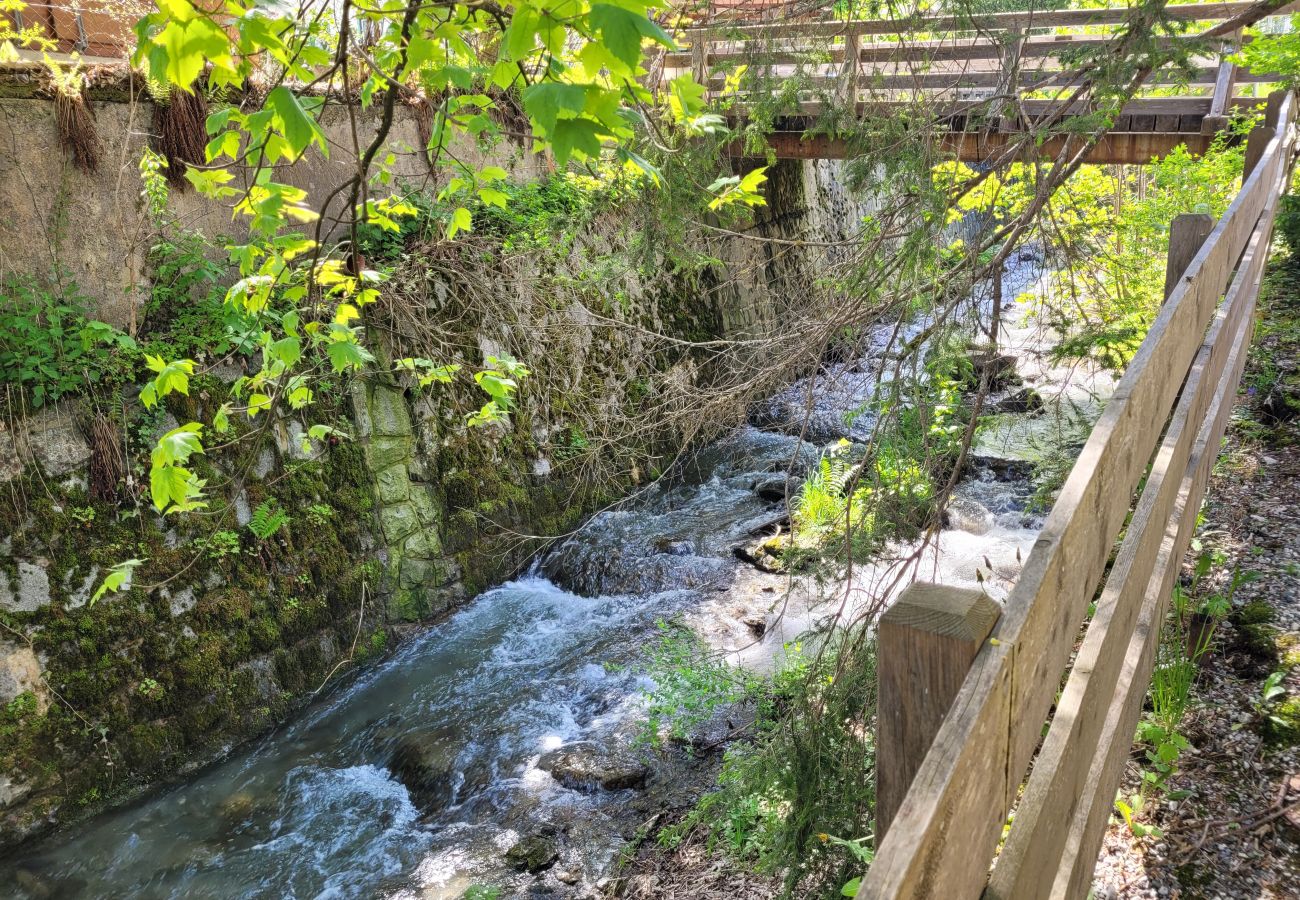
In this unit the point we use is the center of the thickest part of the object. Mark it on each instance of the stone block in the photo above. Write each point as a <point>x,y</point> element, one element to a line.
<point>426,511</point>
<point>29,593</point>
<point>423,544</point>
<point>393,484</point>
<point>383,413</point>
<point>398,520</point>
<point>20,671</point>
<point>382,452</point>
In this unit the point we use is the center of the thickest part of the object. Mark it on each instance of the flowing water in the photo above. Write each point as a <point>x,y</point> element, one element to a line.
<point>418,778</point>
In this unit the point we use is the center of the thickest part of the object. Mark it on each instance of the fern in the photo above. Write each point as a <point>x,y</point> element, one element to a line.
<point>821,500</point>
<point>267,519</point>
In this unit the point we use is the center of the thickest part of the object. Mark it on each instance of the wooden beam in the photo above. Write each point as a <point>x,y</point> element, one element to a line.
<point>1217,119</point>
<point>1138,149</point>
<point>924,647</point>
<point>1030,859</point>
<point>1187,232</point>
<point>1064,18</point>
<point>700,62</point>
<point>850,73</point>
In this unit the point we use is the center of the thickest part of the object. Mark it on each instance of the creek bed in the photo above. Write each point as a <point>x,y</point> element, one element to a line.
<point>498,748</point>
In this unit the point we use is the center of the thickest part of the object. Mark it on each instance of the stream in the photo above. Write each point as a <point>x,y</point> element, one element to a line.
<point>503,739</point>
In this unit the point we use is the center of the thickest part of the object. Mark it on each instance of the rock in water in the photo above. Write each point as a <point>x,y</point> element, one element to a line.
<point>425,769</point>
<point>535,852</point>
<point>588,767</point>
<point>1025,400</point>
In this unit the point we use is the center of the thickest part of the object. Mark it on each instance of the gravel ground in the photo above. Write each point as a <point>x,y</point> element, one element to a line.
<point>1236,833</point>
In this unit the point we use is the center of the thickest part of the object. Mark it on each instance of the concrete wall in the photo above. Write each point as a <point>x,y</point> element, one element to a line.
<point>92,227</point>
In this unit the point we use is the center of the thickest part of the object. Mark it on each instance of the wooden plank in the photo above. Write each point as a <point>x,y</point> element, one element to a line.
<point>909,51</point>
<point>1144,106</point>
<point>924,647</point>
<point>1074,876</point>
<point>1223,85</point>
<point>1080,857</point>
<point>1187,233</point>
<point>945,832</point>
<point>875,79</point>
<point>1040,830</point>
<point>1138,149</point>
<point>1204,12</point>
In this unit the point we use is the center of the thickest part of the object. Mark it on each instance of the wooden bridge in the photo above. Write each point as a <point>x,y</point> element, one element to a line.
<point>986,79</point>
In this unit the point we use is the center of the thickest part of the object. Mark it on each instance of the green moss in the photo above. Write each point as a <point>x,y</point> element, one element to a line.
<point>409,605</point>
<point>1257,634</point>
<point>1282,723</point>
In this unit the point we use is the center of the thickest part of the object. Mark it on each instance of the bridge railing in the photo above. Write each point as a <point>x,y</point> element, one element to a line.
<point>963,701</point>
<point>960,60</point>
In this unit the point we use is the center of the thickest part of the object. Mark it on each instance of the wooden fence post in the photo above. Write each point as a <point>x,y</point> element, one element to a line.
<point>1256,142</point>
<point>925,645</point>
<point>848,87</point>
<point>700,60</point>
<point>1187,232</point>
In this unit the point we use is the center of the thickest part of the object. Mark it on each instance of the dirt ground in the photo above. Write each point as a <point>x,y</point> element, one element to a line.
<point>1236,832</point>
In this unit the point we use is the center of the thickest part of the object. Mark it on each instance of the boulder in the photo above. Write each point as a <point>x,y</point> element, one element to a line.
<point>590,767</point>
<point>535,852</point>
<point>1025,400</point>
<point>425,768</point>
<point>1000,368</point>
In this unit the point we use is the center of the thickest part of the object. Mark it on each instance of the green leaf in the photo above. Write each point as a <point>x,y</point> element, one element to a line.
<point>117,579</point>
<point>256,403</point>
<point>347,355</point>
<point>623,29</point>
<point>179,444</point>
<point>570,136</point>
<point>298,128</point>
<point>461,220</point>
<point>851,888</point>
<point>546,100</point>
<point>168,485</point>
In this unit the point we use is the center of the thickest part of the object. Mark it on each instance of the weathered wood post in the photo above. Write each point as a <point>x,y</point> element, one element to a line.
<point>925,645</point>
<point>1256,142</point>
<point>1187,232</point>
<point>1224,82</point>
<point>700,59</point>
<point>848,87</point>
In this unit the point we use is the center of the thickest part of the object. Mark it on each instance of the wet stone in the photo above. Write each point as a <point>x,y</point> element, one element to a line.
<point>535,852</point>
<point>589,767</point>
<point>1025,400</point>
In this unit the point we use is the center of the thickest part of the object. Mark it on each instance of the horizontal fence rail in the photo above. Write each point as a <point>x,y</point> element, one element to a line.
<point>1165,421</point>
<point>952,64</point>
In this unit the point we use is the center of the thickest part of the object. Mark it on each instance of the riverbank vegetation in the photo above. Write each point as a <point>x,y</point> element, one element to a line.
<point>641,197</point>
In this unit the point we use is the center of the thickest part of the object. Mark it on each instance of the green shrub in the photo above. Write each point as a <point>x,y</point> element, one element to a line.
<point>49,347</point>
<point>1288,223</point>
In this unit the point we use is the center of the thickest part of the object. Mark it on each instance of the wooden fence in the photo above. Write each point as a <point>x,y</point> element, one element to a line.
<point>977,694</point>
